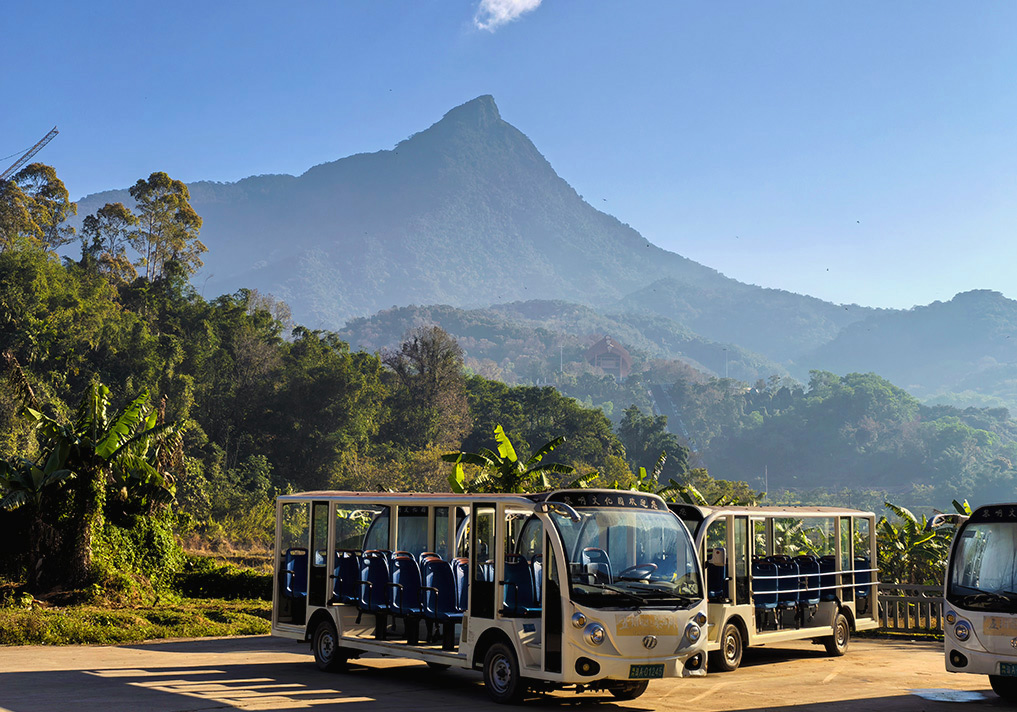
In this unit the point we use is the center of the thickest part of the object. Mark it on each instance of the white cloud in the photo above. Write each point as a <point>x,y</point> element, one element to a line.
<point>492,14</point>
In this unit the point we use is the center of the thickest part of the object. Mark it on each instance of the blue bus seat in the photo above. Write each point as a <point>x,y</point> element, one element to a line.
<point>863,579</point>
<point>295,572</point>
<point>597,562</point>
<point>764,585</point>
<point>405,586</point>
<point>439,592</point>
<point>519,596</point>
<point>461,574</point>
<point>346,587</point>
<point>538,577</point>
<point>808,569</point>
<point>374,581</point>
<point>828,578</point>
<point>787,582</point>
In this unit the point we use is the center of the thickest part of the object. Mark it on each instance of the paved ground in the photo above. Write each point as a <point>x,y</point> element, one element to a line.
<point>263,673</point>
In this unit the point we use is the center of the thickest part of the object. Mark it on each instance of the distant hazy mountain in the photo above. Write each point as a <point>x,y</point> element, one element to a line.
<point>967,345</point>
<point>534,335</point>
<point>467,213</point>
<point>779,324</point>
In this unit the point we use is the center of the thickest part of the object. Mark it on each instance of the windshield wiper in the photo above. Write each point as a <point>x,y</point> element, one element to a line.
<point>662,593</point>
<point>620,591</point>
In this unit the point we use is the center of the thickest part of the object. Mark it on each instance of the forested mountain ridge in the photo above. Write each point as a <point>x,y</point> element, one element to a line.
<point>528,342</point>
<point>962,351</point>
<point>436,220</point>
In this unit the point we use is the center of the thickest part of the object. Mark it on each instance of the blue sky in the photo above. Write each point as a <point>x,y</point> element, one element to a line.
<point>859,152</point>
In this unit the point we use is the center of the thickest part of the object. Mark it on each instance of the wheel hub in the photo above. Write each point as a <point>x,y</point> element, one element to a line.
<point>501,673</point>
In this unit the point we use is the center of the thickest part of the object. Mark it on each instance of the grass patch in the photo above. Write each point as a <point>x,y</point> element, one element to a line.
<point>184,618</point>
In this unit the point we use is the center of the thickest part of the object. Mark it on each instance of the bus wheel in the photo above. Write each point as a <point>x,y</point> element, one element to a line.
<point>629,690</point>
<point>501,675</point>
<point>1005,687</point>
<point>837,643</point>
<point>328,656</point>
<point>729,657</point>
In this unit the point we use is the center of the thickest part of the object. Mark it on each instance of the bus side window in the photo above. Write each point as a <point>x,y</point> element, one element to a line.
<point>441,532</point>
<point>716,565</point>
<point>412,530</point>
<point>377,533</point>
<point>295,528</point>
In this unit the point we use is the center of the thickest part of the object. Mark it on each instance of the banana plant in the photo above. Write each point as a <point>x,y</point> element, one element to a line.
<point>908,552</point>
<point>503,471</point>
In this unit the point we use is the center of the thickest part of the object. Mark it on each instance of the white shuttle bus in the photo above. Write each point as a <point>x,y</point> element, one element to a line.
<point>580,589</point>
<point>775,574</point>
<point>980,600</point>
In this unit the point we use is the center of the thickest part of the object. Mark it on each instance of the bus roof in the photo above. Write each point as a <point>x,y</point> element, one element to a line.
<point>580,497</point>
<point>790,510</point>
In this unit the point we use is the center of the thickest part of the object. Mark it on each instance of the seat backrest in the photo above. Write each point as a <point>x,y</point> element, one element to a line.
<point>295,571</point>
<point>538,577</point>
<point>518,588</point>
<point>442,600</point>
<point>716,578</point>
<point>787,583</point>
<point>347,577</point>
<point>405,598</point>
<point>374,570</point>
<point>461,574</point>
<point>808,571</point>
<point>764,585</point>
<point>828,578</point>
<point>863,578</point>
<point>598,563</point>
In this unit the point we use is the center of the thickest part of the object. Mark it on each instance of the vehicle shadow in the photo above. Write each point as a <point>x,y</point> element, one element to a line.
<point>257,673</point>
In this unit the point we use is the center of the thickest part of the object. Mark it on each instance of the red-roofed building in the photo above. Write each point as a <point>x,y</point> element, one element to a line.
<point>610,356</point>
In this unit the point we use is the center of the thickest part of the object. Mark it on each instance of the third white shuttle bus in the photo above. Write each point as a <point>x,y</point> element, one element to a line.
<point>783,573</point>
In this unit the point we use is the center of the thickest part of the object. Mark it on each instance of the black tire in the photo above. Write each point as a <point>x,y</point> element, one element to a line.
<point>1005,687</point>
<point>837,644</point>
<point>501,675</point>
<point>732,646</point>
<point>328,656</point>
<point>629,690</point>
<point>437,666</point>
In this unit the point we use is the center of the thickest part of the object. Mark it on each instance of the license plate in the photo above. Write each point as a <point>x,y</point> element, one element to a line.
<point>643,672</point>
<point>1005,669</point>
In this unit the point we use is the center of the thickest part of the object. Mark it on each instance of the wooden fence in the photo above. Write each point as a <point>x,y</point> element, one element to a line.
<point>910,609</point>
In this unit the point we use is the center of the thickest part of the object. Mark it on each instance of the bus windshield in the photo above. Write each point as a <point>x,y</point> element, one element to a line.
<point>629,558</point>
<point>983,572</point>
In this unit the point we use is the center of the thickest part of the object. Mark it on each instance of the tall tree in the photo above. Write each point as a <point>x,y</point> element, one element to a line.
<point>33,207</point>
<point>167,225</point>
<point>431,391</point>
<point>106,235</point>
<point>646,436</point>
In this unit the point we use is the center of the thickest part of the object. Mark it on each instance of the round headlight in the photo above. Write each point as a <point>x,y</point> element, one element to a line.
<point>693,631</point>
<point>962,630</point>
<point>594,634</point>
<point>951,618</point>
<point>700,618</point>
<point>578,620</point>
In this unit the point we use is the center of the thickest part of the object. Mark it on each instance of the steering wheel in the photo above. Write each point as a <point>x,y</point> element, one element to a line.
<point>639,571</point>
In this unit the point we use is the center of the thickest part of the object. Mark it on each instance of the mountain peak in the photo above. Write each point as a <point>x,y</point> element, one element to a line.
<point>482,109</point>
